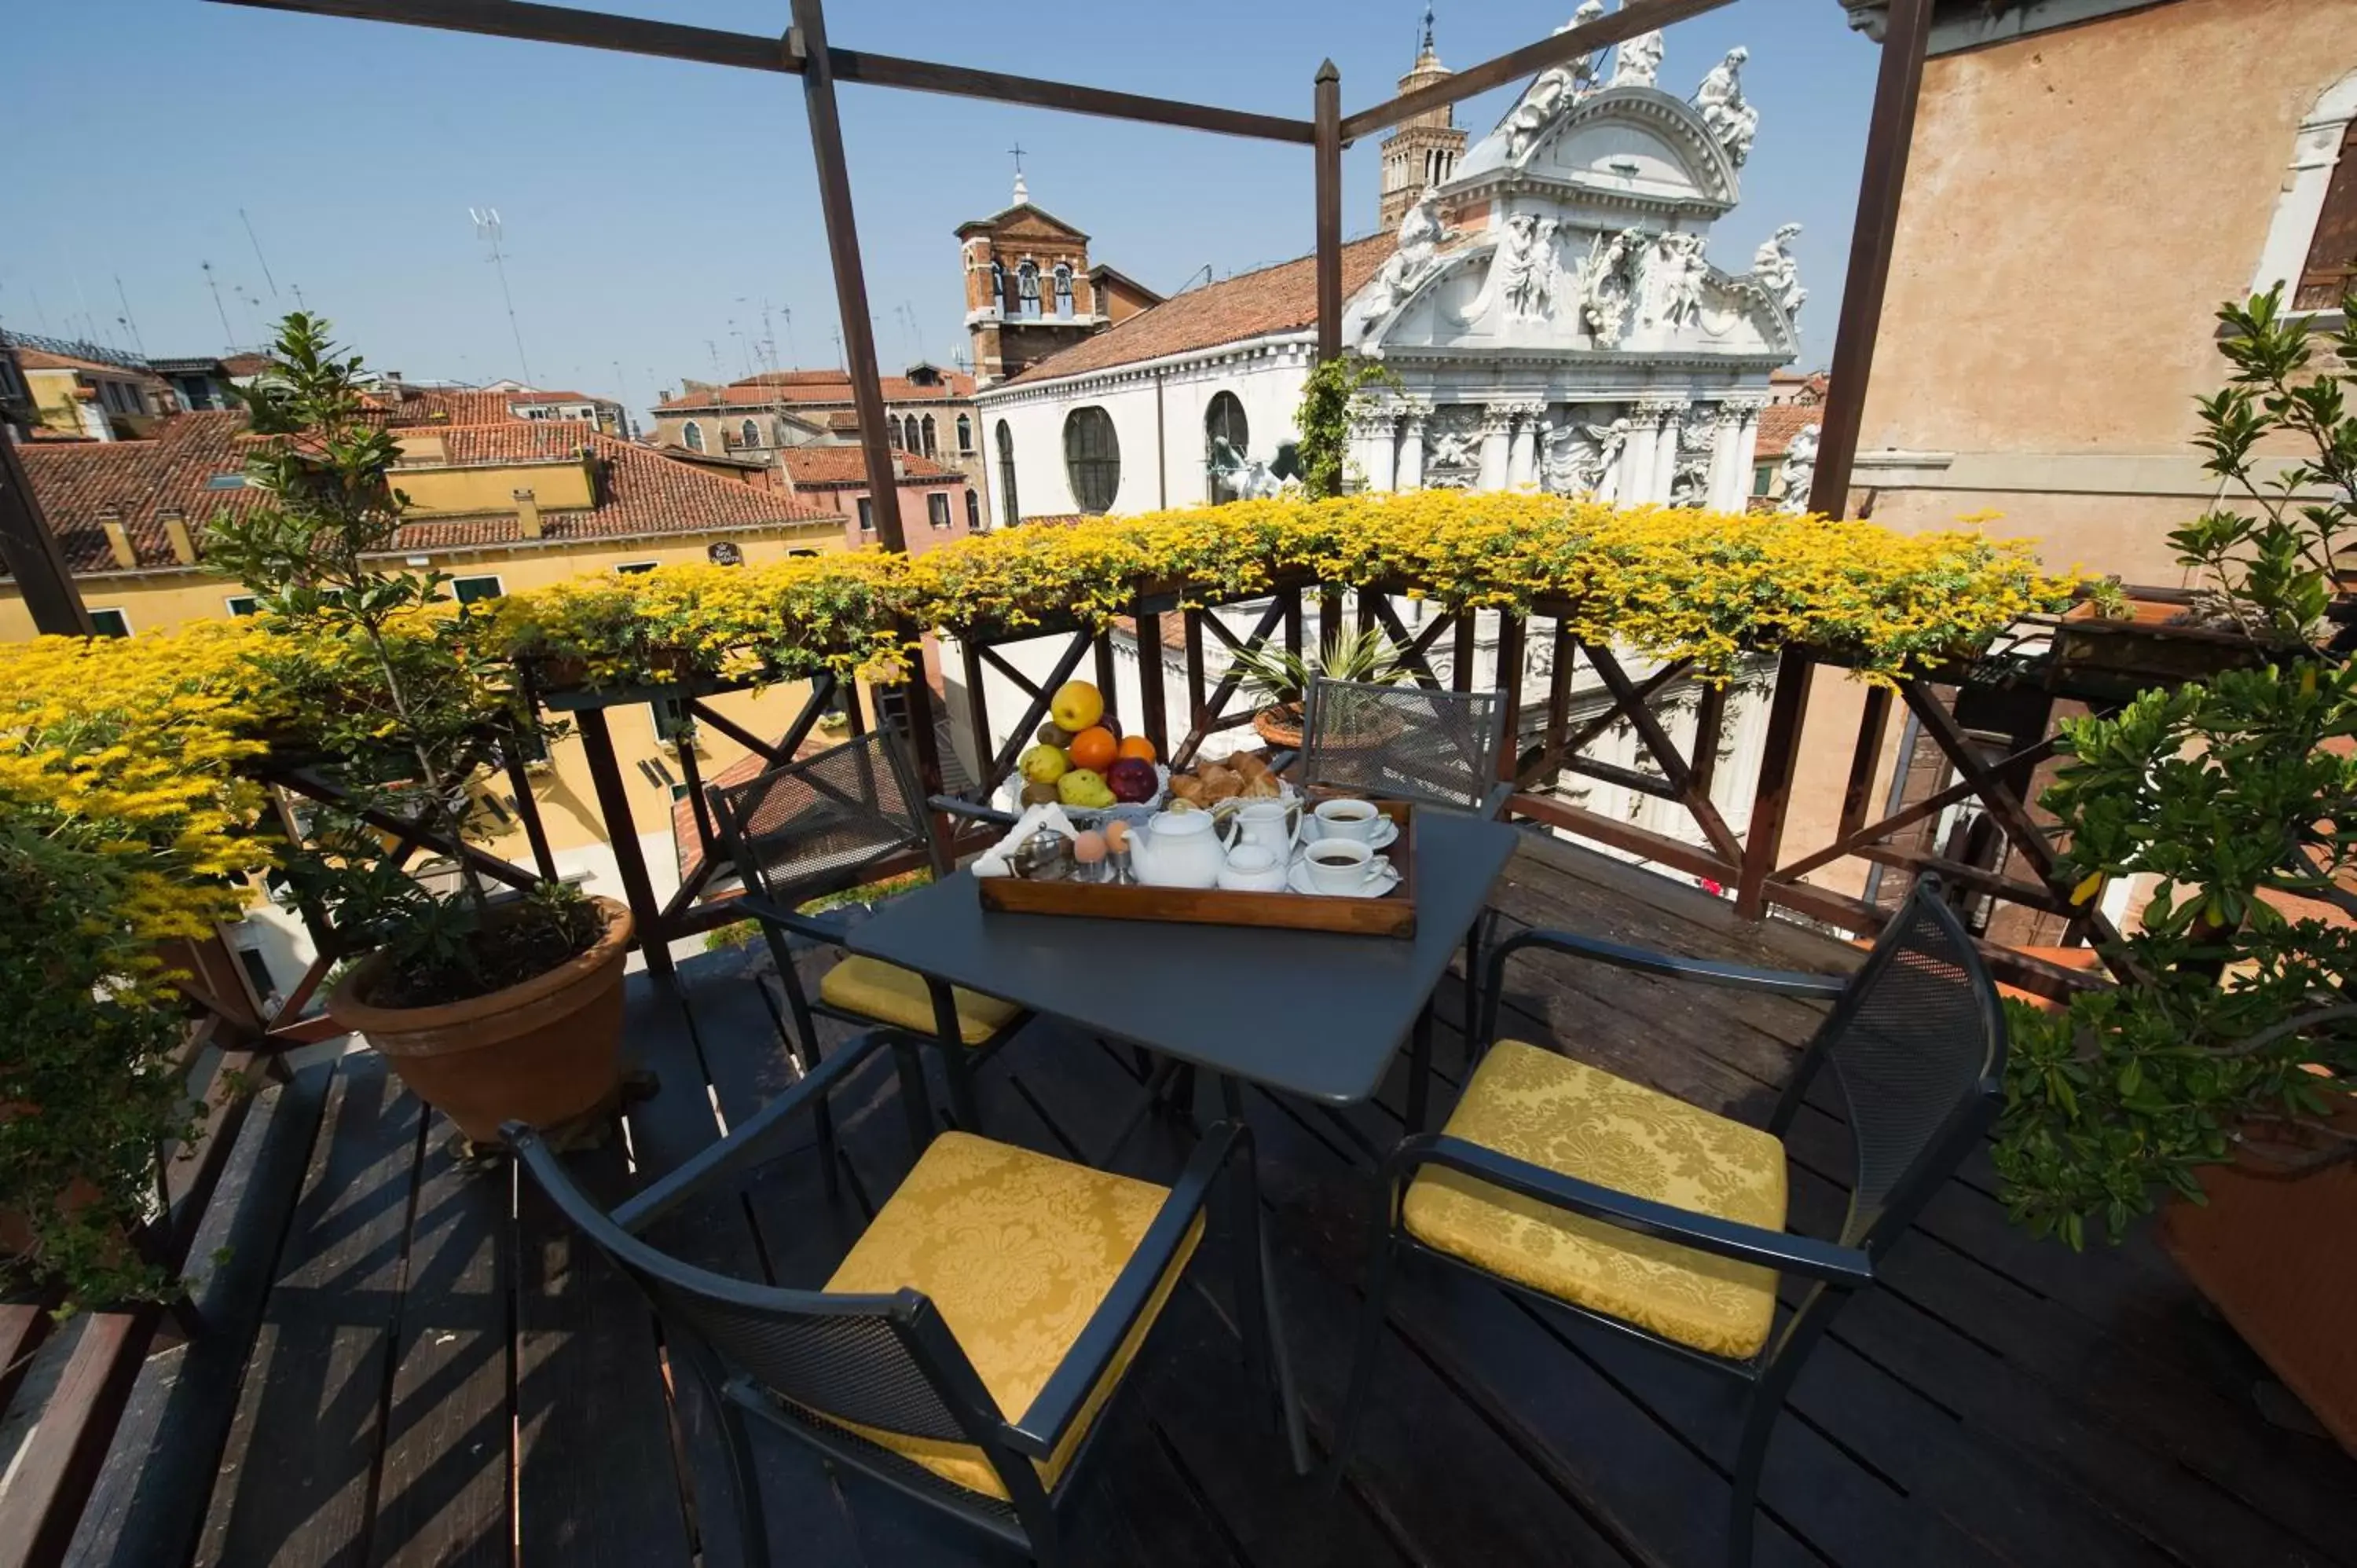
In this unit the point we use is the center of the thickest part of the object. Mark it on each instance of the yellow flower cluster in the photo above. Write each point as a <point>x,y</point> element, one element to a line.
<point>134,745</point>
<point>1670,582</point>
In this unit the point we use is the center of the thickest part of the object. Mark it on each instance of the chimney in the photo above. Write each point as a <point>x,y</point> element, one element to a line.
<point>110,522</point>
<point>176,531</point>
<point>527,514</point>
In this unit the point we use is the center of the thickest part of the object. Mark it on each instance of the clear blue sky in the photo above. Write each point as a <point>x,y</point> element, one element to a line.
<point>652,207</point>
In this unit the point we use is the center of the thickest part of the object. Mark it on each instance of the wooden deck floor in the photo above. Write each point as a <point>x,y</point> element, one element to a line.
<point>417,1364</point>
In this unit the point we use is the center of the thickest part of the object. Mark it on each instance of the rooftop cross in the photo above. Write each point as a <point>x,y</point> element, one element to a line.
<point>1022,191</point>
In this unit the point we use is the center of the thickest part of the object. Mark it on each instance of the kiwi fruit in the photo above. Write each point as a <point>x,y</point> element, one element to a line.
<point>1053,734</point>
<point>1040,794</point>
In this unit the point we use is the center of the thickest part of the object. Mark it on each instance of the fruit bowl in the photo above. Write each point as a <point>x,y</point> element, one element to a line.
<point>1010,799</point>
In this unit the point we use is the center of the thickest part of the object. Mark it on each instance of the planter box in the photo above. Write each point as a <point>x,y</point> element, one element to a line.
<point>2156,646</point>
<point>2273,1254</point>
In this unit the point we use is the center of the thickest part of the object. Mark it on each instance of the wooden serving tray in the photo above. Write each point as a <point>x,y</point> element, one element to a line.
<point>1392,915</point>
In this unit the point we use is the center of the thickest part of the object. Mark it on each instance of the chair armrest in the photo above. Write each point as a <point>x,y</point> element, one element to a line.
<point>1494,802</point>
<point>747,1143</point>
<point>1059,1402</point>
<point>958,805</point>
<point>1805,1255</point>
<point>821,928</point>
<point>1670,966</point>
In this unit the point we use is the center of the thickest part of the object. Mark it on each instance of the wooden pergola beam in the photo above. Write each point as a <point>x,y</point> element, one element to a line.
<point>752,51</point>
<point>1642,17</point>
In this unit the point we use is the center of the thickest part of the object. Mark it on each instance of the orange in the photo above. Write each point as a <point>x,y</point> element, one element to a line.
<point>1093,748</point>
<point>1138,746</point>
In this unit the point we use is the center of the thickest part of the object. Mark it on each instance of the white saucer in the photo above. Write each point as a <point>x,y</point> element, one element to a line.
<point>1298,880</point>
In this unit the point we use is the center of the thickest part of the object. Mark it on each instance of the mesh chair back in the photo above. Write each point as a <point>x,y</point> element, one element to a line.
<point>1918,1044</point>
<point>817,820</point>
<point>843,1356</point>
<point>1408,742</point>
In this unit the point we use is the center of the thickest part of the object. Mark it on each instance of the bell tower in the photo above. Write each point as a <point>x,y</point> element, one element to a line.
<point>1423,152</point>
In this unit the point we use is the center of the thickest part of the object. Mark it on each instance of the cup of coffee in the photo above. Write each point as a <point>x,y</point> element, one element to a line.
<point>1347,818</point>
<point>1341,867</point>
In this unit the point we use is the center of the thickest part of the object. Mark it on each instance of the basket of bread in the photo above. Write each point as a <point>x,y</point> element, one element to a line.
<point>1246,776</point>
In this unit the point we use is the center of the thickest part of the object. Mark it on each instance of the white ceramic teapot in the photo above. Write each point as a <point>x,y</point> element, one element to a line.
<point>1176,849</point>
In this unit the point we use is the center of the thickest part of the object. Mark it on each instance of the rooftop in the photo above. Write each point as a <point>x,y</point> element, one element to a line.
<point>1280,298</point>
<point>193,461</point>
<point>828,467</point>
<point>820,388</point>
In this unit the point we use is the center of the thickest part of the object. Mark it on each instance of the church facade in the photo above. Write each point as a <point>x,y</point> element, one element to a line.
<point>1550,309</point>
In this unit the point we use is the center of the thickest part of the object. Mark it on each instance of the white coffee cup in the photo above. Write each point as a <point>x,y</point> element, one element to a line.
<point>1341,867</point>
<point>1347,818</point>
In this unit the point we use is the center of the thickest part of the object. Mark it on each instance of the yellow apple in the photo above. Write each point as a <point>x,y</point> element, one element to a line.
<point>1045,765</point>
<point>1077,705</point>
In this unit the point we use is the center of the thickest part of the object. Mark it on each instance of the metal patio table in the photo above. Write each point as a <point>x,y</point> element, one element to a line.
<point>1312,1014</point>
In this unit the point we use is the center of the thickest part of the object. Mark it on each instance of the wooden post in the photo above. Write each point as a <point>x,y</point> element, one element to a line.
<point>1888,138</point>
<point>1509,688</point>
<point>807,43</point>
<point>1773,794</point>
<point>1329,212</point>
<point>1155,722</point>
<point>31,551</point>
<point>614,806</point>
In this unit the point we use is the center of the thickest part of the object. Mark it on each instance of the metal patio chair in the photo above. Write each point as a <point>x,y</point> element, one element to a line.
<point>1631,1209</point>
<point>823,825</point>
<point>972,1383</point>
<point>1405,742</point>
<point>1435,749</point>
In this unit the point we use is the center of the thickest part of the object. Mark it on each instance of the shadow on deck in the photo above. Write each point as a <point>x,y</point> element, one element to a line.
<point>430,1370</point>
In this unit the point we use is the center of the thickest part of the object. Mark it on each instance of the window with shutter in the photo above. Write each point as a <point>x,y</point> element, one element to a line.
<point>2332,254</point>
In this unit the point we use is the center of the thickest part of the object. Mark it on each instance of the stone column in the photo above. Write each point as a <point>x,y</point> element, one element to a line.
<point>1747,451</point>
<point>1409,475</point>
<point>1726,429</point>
<point>1497,425</point>
<point>1637,458</point>
<point>1671,414</point>
<point>1522,451</point>
<point>1372,459</point>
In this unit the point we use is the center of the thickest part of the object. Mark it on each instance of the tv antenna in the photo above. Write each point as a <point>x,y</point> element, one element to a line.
<point>489,230</point>
<point>229,338</point>
<point>257,251</point>
<point>129,323</point>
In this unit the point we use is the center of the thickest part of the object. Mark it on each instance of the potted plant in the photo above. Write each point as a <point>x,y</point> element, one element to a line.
<point>1281,678</point>
<point>2266,570</point>
<point>2226,1076</point>
<point>488,1006</point>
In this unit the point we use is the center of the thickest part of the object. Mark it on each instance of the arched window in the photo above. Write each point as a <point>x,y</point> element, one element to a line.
<point>908,433</point>
<point>1091,459</point>
<point>1064,290</point>
<point>751,433</point>
<point>999,287</point>
<point>2311,247</point>
<point>892,432</point>
<point>1027,289</point>
<point>966,436</point>
<point>973,512</point>
<point>693,435</point>
<point>1227,438</point>
<point>1009,512</point>
<point>931,449</point>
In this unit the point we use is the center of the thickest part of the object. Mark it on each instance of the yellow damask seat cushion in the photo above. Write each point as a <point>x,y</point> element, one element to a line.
<point>1549,1111</point>
<point>890,995</point>
<point>1017,1251</point>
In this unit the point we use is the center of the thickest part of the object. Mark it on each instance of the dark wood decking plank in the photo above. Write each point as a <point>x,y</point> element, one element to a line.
<point>596,1484</point>
<point>297,1477</point>
<point>98,1358</point>
<point>149,1500</point>
<point>444,1495</point>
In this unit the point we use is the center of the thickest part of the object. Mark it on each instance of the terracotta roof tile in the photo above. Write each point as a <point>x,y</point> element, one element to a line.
<point>1779,423</point>
<point>1281,298</point>
<point>826,467</point>
<point>817,387</point>
<point>639,490</point>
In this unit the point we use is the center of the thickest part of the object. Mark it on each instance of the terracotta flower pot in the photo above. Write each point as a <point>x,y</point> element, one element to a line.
<point>2272,1253</point>
<point>544,1052</point>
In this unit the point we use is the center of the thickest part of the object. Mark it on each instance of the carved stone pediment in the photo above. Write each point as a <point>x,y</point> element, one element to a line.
<point>1628,146</point>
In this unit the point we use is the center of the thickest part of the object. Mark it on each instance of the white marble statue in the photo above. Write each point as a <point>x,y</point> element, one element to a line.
<point>1799,469</point>
<point>1733,123</point>
<point>1452,449</point>
<point>1583,459</point>
<point>1421,235</point>
<point>1778,273</point>
<point>1547,97</point>
<point>1609,281</point>
<point>1522,273</point>
<point>1640,60</point>
<point>1589,68</point>
<point>1696,437</point>
<point>1673,276</point>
